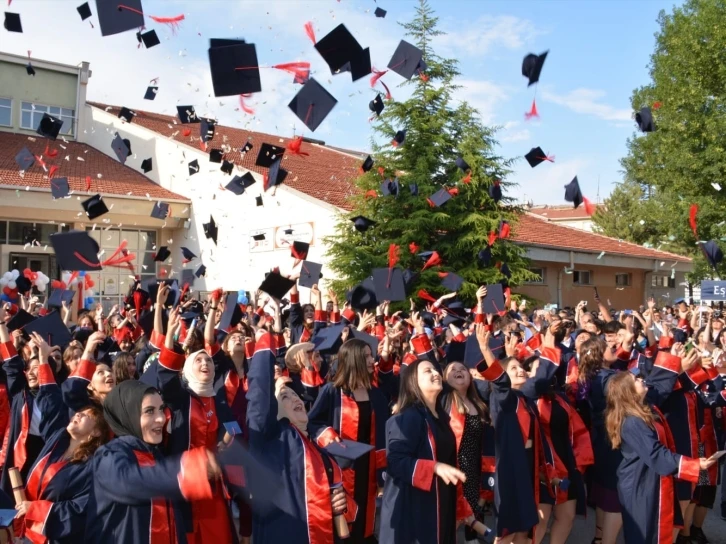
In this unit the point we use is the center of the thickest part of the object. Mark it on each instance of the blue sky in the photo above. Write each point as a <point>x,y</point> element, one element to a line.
<point>599,52</point>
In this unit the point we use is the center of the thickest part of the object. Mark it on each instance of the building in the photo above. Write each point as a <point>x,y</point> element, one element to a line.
<point>565,215</point>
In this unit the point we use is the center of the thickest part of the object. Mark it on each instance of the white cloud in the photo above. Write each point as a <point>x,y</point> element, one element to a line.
<point>545,184</point>
<point>485,96</point>
<point>589,102</point>
<point>511,132</point>
<point>487,33</point>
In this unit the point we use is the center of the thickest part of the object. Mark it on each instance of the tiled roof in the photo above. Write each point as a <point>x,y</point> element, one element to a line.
<point>116,179</point>
<point>325,174</point>
<point>533,230</point>
<point>560,212</point>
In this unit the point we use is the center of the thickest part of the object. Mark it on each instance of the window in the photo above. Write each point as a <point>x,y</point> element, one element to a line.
<point>582,277</point>
<point>622,280</point>
<point>662,281</point>
<point>541,273</point>
<point>25,233</point>
<point>31,114</point>
<point>6,112</point>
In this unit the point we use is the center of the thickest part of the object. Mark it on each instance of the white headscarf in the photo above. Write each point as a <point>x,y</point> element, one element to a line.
<point>201,389</point>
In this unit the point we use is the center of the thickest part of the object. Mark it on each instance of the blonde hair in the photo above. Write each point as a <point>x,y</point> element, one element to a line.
<point>623,401</point>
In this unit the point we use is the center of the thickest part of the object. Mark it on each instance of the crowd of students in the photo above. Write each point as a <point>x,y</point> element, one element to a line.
<point>286,422</point>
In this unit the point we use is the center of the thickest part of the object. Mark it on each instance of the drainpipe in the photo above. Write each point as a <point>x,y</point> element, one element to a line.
<point>81,92</point>
<point>559,288</point>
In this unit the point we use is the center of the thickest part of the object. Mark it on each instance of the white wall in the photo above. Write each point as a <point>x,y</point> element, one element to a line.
<point>232,264</point>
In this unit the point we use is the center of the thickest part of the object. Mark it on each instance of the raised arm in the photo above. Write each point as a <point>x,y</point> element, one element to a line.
<point>49,400</point>
<point>13,363</point>
<point>161,295</point>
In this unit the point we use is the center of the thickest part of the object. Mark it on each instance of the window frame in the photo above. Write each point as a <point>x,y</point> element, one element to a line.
<point>46,108</point>
<point>627,275</point>
<point>542,275</point>
<point>9,107</point>
<point>579,272</point>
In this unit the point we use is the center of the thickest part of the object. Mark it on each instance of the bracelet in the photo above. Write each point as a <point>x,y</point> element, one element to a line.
<point>213,307</point>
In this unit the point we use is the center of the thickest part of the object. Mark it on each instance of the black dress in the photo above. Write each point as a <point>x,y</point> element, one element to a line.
<point>446,453</point>
<point>361,467</point>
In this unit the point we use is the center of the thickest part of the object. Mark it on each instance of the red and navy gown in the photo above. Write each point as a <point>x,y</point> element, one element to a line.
<point>646,481</point>
<point>298,332</point>
<point>75,389</point>
<point>336,414</point>
<point>20,447</point>
<point>136,493</point>
<point>197,422</point>
<point>418,507</point>
<point>302,513</point>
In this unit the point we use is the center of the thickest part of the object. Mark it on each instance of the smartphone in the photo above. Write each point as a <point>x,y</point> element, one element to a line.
<point>628,312</point>
<point>689,345</point>
<point>597,296</point>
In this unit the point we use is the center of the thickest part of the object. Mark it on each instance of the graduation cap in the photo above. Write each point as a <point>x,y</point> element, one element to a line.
<point>105,349</point>
<point>713,253</point>
<point>532,66</point>
<point>363,296</point>
<point>644,118</point>
<point>310,274</point>
<point>151,286</point>
<point>51,328</point>
<point>113,20</point>
<point>75,250</point>
<point>126,114</point>
<point>151,92</point>
<point>258,237</point>
<point>201,271</point>
<point>215,155</point>
<point>399,138</point>
<point>367,164</point>
<point>277,174</point>
<point>25,159</point>
<point>12,22</point>
<point>328,339</point>
<point>360,65</point>
<point>210,230</point>
<point>406,60</point>
<point>194,167</point>
<point>23,285</point>
<point>258,200</point>
<point>389,284</point>
<point>20,320</point>
<point>162,254</point>
<point>276,285</point>
<point>94,207</point>
<point>49,127</point>
<point>7,516</point>
<point>495,191</point>
<point>472,353</point>
<point>84,11</point>
<point>455,351</point>
<point>247,147</point>
<point>29,69</point>
<point>494,301</point>
<point>535,156</point>
<point>232,313</point>
<point>573,193</point>
<point>147,165</point>
<point>372,341</point>
<point>240,183</point>
<point>485,256</point>
<point>234,67</point>
<point>462,164</point>
<point>361,223</point>
<point>121,147</point>
<point>455,314</point>
<point>312,104</point>
<point>59,187</point>
<point>227,167</point>
<point>150,39</point>
<point>146,322</point>
<point>376,105</point>
<point>441,197</point>
<point>299,250</point>
<point>452,282</point>
<point>380,13</point>
<point>268,154</point>
<point>414,189</point>
<point>187,253</point>
<point>389,187</point>
<point>187,114</point>
<point>206,129</point>
<point>160,210</point>
<point>409,278</point>
<point>338,48</point>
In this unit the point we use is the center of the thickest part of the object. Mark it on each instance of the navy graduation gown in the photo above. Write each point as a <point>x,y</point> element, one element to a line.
<point>75,389</point>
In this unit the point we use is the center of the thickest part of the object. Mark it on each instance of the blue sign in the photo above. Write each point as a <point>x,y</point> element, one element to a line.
<point>713,290</point>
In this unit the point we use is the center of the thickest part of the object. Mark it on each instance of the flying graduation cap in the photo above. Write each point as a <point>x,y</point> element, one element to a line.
<point>94,207</point>
<point>644,118</point>
<point>151,92</point>
<point>121,147</point>
<point>380,13</point>
<point>126,115</point>
<point>407,60</point>
<point>188,255</point>
<point>268,154</point>
<point>574,194</point>
<point>59,187</point>
<point>361,223</point>
<point>342,53</point>
<point>210,230</point>
<point>376,105</point>
<point>187,115</point>
<point>312,104</point>
<point>532,66</point>
<point>147,165</point>
<point>84,11</point>
<point>12,22</point>
<point>149,39</point>
<point>25,159</point>
<point>536,156</point>
<point>234,67</point>
<point>495,191</point>
<point>713,253</point>
<point>49,127</point>
<point>367,164</point>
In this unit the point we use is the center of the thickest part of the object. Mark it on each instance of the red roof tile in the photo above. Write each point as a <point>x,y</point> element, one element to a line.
<point>325,174</point>
<point>116,179</point>
<point>533,230</point>
<point>560,212</point>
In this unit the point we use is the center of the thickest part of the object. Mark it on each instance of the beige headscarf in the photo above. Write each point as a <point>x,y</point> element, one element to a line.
<point>201,389</point>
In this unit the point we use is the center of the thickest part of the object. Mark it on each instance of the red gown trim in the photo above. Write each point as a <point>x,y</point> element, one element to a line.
<point>19,451</point>
<point>162,528</point>
<point>666,489</point>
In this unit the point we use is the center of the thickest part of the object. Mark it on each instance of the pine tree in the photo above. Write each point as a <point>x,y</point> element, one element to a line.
<point>438,130</point>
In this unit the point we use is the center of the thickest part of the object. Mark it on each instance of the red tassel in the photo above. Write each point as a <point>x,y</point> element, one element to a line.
<point>692,219</point>
<point>394,143</point>
<point>467,179</point>
<point>217,294</point>
<point>413,248</point>
<point>138,302</point>
<point>492,237</point>
<point>171,22</point>
<point>589,206</point>
<point>371,194</point>
<point>454,191</point>
<point>295,146</point>
<point>423,295</point>
<point>186,132</point>
<point>533,113</point>
<point>657,105</point>
<point>442,275</point>
<point>431,202</point>
<point>53,169</point>
<point>298,69</point>
<point>381,172</point>
<point>88,183</point>
<point>423,77</point>
<point>434,260</point>
<point>504,231</point>
<point>50,153</point>
<point>377,74</point>
<point>388,92</point>
<point>245,107</point>
<point>310,31</point>
<point>119,258</point>
<point>393,255</point>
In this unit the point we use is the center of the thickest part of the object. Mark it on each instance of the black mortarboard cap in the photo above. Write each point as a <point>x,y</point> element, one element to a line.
<point>338,48</point>
<point>210,229</point>
<point>227,167</point>
<point>276,285</point>
<point>59,296</point>
<point>400,137</point>
<point>406,59</point>
<point>113,20</point>
<point>389,187</point>
<point>376,105</point>
<point>277,174</point>
<point>361,223</point>
<point>215,155</point>
<point>413,187</point>
<point>485,256</point>
<point>532,66</point>
<point>25,159</point>
<point>268,154</point>
<point>187,114</point>
<point>644,118</point>
<point>495,191</point>
<point>713,253</point>
<point>160,210</point>
<point>224,62</point>
<point>455,351</point>
<point>59,187</point>
<point>472,353</point>
<point>105,350</point>
<point>462,164</point>
<point>289,231</point>
<point>360,65</point>
<point>150,39</point>
<point>194,167</point>
<point>29,69</point>
<point>312,104</point>
<point>389,284</point>
<point>380,13</point>
<point>310,274</point>
<point>151,286</point>
<point>12,22</point>
<point>441,197</point>
<point>75,250</point>
<point>201,271</point>
<point>247,147</point>
<point>206,129</point>
<point>187,253</point>
<point>51,328</point>
<point>258,200</point>
<point>363,297</point>
<point>452,282</point>
<point>409,278</point>
<point>20,320</point>
<point>81,335</point>
<point>328,339</point>
<point>151,92</point>
<point>162,254</point>
<point>535,156</point>
<point>146,322</point>
<point>367,164</point>
<point>23,285</point>
<point>240,183</point>
<point>84,10</point>
<point>121,148</point>
<point>573,193</point>
<point>147,165</point>
<point>49,127</point>
<point>372,341</point>
<point>94,207</point>
<point>494,301</point>
<point>232,312</point>
<point>126,114</point>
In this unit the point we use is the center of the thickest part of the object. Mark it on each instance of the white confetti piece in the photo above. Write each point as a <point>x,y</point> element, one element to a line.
<point>602,254</point>
<point>716,186</point>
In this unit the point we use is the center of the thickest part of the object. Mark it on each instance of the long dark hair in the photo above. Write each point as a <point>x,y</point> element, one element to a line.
<point>592,353</point>
<point>409,393</point>
<point>453,397</point>
<point>86,449</point>
<point>352,371</point>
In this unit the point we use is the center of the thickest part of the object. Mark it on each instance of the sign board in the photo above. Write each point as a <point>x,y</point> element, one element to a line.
<point>301,232</point>
<point>258,246</point>
<point>713,290</point>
